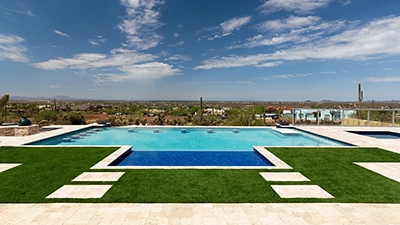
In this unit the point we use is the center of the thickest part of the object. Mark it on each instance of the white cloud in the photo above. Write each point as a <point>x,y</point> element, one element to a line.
<point>297,6</point>
<point>327,72</point>
<point>61,33</point>
<point>376,39</point>
<point>27,13</point>
<point>227,27</point>
<point>285,76</point>
<point>388,69</point>
<point>234,23</point>
<point>133,65</point>
<point>178,57</point>
<point>293,30</point>
<point>384,79</point>
<point>177,44</point>
<point>176,35</point>
<point>153,70</point>
<point>11,48</point>
<point>116,58</point>
<point>271,64</point>
<point>292,22</point>
<point>98,41</point>
<point>54,86</point>
<point>140,23</point>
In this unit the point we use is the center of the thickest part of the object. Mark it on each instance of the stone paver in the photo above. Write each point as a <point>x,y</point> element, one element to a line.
<point>99,176</point>
<point>80,191</point>
<point>283,176</point>
<point>389,170</point>
<point>7,166</point>
<point>114,213</point>
<point>300,191</point>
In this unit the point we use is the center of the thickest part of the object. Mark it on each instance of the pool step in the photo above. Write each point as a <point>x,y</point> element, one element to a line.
<point>287,131</point>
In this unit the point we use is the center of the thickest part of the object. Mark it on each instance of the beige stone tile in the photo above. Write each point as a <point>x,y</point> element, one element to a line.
<point>283,176</point>
<point>80,191</point>
<point>300,191</point>
<point>389,170</point>
<point>99,176</point>
<point>7,166</point>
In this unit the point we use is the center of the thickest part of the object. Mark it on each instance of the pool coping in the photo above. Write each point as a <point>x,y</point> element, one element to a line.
<point>277,163</point>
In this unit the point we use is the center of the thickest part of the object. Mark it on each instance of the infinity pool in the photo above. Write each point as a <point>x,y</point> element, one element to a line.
<point>179,139</point>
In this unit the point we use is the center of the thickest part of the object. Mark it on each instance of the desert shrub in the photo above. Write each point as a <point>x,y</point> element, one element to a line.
<point>50,116</point>
<point>119,120</point>
<point>76,118</point>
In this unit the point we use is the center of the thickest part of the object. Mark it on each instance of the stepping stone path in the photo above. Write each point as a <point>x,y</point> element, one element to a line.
<point>99,176</point>
<point>87,191</point>
<point>283,176</point>
<point>389,170</point>
<point>7,166</point>
<point>294,191</point>
<point>301,191</point>
<point>80,191</point>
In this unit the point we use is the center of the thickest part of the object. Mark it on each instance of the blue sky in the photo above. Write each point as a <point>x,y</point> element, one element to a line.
<point>252,50</point>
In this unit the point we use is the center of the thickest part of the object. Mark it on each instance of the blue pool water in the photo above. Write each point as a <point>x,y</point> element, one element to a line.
<point>378,134</point>
<point>193,158</point>
<point>172,139</point>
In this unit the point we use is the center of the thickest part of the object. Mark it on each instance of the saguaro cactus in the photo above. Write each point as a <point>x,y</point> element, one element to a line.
<point>360,95</point>
<point>3,103</point>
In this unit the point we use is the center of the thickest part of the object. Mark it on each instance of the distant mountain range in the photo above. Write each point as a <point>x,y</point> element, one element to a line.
<point>57,97</point>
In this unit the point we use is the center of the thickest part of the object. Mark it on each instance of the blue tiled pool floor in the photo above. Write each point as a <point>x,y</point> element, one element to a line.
<point>193,158</point>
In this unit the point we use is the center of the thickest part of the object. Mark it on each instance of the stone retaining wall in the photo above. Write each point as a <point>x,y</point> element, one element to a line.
<point>19,130</point>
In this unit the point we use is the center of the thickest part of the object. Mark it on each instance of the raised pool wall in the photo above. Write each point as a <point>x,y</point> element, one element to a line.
<point>19,131</point>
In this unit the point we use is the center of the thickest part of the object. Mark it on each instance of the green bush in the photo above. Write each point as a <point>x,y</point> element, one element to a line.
<point>76,118</point>
<point>48,115</point>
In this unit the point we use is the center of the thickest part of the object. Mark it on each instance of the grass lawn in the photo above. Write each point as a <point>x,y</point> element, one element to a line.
<point>45,169</point>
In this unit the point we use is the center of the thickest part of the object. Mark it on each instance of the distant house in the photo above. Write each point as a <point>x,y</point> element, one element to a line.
<point>84,108</point>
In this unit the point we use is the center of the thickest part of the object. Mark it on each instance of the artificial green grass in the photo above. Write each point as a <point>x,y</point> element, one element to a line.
<point>45,169</point>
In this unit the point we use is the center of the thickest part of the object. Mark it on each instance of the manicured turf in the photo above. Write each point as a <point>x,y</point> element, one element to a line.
<point>44,170</point>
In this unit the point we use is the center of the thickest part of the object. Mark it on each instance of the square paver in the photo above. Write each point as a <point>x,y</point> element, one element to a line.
<point>80,191</point>
<point>389,170</point>
<point>300,191</point>
<point>99,176</point>
<point>7,166</point>
<point>283,176</point>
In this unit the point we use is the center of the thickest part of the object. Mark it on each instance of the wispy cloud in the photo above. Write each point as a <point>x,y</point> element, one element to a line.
<point>327,72</point>
<point>11,48</point>
<point>285,76</point>
<point>54,86</point>
<point>180,43</point>
<point>97,41</point>
<point>387,69</point>
<point>292,22</point>
<point>27,13</point>
<point>293,30</point>
<point>384,79</point>
<point>61,33</point>
<point>141,22</point>
<point>270,64</point>
<point>375,39</point>
<point>227,27</point>
<point>178,57</point>
<point>153,70</point>
<point>282,76</point>
<point>131,64</point>
<point>297,6</point>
